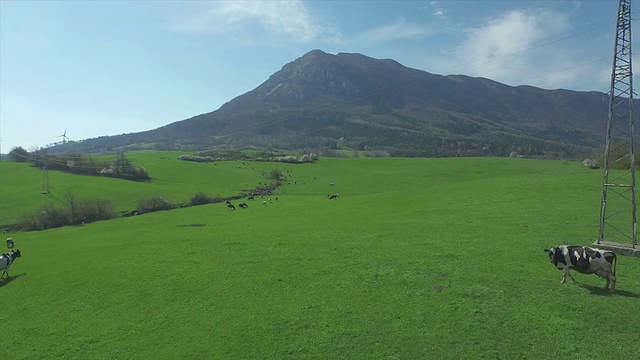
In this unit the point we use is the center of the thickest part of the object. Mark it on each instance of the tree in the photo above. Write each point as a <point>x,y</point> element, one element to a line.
<point>19,154</point>
<point>276,174</point>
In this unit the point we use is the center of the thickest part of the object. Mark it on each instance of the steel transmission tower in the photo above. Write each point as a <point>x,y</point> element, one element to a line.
<point>618,206</point>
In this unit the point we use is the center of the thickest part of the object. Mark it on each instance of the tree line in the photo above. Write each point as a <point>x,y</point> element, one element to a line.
<point>121,167</point>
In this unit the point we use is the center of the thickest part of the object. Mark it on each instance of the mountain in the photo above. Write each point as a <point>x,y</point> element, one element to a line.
<point>351,101</point>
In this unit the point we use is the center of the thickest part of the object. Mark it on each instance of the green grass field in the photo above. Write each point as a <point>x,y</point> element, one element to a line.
<point>417,259</point>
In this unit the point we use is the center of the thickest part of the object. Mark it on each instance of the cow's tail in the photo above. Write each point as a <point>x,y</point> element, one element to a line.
<point>615,262</point>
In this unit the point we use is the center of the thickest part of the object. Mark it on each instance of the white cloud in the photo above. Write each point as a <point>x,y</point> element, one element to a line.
<point>437,11</point>
<point>512,47</point>
<point>289,20</point>
<point>395,31</point>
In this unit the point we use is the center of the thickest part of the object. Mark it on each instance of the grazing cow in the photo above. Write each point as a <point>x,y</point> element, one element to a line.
<point>264,202</point>
<point>230,206</point>
<point>10,243</point>
<point>584,260</point>
<point>334,196</point>
<point>243,205</point>
<point>6,260</point>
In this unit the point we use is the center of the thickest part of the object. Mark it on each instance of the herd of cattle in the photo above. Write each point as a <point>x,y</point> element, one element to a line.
<point>582,259</point>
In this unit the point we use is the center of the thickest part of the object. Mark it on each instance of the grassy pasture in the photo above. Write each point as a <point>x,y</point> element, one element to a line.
<point>418,258</point>
<point>173,179</point>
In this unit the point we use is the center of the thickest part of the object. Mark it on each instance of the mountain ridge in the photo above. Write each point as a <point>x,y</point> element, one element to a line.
<point>351,101</point>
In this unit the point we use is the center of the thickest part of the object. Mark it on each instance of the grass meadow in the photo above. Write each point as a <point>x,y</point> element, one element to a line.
<point>417,259</point>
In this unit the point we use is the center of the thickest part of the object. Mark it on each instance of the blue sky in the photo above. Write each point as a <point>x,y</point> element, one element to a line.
<point>110,67</point>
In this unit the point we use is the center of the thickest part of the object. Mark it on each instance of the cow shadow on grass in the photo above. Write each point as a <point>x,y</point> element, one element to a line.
<point>596,290</point>
<point>9,279</point>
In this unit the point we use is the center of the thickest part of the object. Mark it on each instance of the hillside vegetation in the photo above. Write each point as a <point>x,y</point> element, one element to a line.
<point>349,101</point>
<point>416,259</point>
<point>171,178</point>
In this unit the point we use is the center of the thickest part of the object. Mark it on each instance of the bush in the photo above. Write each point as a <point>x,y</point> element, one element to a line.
<point>93,210</point>
<point>276,174</point>
<point>201,199</point>
<point>196,158</point>
<point>19,154</point>
<point>152,204</point>
<point>50,215</point>
<point>377,153</point>
<point>591,163</point>
<point>46,217</point>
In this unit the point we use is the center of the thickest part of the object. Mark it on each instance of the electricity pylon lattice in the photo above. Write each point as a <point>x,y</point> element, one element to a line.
<point>618,206</point>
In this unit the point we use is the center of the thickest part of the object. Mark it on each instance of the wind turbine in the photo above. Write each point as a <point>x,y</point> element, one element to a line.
<point>64,136</point>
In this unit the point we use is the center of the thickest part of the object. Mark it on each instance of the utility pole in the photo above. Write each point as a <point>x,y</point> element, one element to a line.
<point>618,205</point>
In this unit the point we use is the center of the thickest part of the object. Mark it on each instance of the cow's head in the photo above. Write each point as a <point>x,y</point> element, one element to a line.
<point>555,255</point>
<point>16,254</point>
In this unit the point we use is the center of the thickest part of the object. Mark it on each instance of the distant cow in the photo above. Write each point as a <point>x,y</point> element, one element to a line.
<point>6,260</point>
<point>333,196</point>
<point>243,205</point>
<point>584,260</point>
<point>10,243</point>
<point>230,206</point>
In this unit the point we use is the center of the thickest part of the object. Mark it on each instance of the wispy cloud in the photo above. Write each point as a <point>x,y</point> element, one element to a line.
<point>438,11</point>
<point>511,48</point>
<point>400,29</point>
<point>289,20</point>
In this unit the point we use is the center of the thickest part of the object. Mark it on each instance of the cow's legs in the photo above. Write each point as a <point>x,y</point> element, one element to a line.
<point>566,273</point>
<point>4,272</point>
<point>613,281</point>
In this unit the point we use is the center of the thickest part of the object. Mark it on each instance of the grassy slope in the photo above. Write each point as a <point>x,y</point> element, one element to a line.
<point>176,180</point>
<point>419,258</point>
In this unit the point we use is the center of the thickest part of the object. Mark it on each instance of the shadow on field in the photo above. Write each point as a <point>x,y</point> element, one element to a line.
<point>605,292</point>
<point>9,279</point>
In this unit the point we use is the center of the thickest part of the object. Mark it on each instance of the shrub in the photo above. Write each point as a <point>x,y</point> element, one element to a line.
<point>276,174</point>
<point>196,158</point>
<point>123,168</point>
<point>377,153</point>
<point>87,211</point>
<point>46,217</point>
<point>156,203</point>
<point>51,215</point>
<point>201,199</point>
<point>591,163</point>
<point>19,154</point>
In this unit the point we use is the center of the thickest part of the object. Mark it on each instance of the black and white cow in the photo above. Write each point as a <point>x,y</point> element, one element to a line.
<point>584,260</point>
<point>6,260</point>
